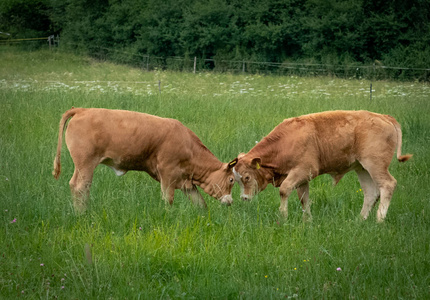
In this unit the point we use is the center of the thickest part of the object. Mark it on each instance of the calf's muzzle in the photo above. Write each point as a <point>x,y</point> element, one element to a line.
<point>226,199</point>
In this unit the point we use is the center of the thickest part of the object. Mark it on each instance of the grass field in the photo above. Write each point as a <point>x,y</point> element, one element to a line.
<point>129,245</point>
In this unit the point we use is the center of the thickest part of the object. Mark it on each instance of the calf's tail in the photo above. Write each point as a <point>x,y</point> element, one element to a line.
<point>400,157</point>
<point>57,161</point>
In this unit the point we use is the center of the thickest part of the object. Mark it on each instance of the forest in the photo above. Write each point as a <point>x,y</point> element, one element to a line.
<point>392,33</point>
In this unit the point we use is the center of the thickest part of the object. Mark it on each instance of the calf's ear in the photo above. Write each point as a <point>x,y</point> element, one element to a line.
<point>256,163</point>
<point>232,163</point>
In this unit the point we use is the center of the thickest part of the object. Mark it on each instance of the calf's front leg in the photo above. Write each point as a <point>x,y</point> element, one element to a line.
<point>167,191</point>
<point>303,193</point>
<point>195,197</point>
<point>295,178</point>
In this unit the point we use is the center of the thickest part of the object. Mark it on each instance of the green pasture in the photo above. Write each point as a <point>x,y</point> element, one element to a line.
<point>130,245</point>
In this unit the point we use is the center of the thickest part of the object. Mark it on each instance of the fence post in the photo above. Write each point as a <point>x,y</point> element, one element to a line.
<point>195,64</point>
<point>243,66</point>
<point>371,79</point>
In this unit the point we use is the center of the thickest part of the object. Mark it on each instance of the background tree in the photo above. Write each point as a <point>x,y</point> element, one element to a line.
<point>322,31</point>
<point>25,18</point>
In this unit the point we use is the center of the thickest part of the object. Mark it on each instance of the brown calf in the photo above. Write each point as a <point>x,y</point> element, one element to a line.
<point>334,142</point>
<point>123,140</point>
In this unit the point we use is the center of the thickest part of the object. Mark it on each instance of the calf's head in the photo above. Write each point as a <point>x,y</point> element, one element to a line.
<point>248,173</point>
<point>220,183</point>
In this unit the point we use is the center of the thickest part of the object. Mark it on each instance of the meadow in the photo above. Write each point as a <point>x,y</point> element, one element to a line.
<point>130,245</point>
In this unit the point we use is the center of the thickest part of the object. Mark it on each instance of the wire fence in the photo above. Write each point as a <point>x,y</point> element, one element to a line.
<point>376,71</point>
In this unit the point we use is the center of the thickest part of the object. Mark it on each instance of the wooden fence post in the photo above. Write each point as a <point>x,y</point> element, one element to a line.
<point>195,64</point>
<point>373,78</point>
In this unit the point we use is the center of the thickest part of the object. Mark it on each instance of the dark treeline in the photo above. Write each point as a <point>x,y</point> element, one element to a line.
<point>395,32</point>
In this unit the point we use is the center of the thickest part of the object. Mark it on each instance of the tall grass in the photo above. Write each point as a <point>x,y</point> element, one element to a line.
<point>129,245</point>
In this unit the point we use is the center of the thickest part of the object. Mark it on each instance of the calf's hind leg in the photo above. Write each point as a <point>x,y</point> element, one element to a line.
<point>80,184</point>
<point>386,185</point>
<point>370,191</point>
